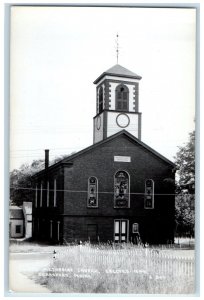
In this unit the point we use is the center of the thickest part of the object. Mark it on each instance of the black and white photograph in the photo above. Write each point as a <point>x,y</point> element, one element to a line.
<point>102,117</point>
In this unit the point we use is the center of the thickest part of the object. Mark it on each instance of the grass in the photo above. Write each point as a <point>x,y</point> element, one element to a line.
<point>82,269</point>
<point>86,271</point>
<point>31,247</point>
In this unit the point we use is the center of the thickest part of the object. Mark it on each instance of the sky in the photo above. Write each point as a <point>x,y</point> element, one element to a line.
<point>57,52</point>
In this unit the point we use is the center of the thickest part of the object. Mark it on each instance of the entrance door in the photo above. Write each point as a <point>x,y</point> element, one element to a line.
<point>121,231</point>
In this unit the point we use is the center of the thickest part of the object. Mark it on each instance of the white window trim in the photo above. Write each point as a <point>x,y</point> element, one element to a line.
<point>41,193</point>
<point>58,230</point>
<point>55,192</point>
<point>48,193</point>
<point>120,228</point>
<point>36,195</point>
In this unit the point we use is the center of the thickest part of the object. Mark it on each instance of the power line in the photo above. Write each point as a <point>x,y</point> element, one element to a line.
<point>86,191</point>
<point>41,149</point>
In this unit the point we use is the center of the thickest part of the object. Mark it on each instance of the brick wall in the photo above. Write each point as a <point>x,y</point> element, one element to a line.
<point>100,163</point>
<point>76,220</point>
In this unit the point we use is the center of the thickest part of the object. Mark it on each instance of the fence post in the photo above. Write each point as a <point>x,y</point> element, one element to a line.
<point>146,262</point>
<point>80,248</point>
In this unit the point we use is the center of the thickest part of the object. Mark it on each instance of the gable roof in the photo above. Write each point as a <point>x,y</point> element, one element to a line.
<point>114,136</point>
<point>69,159</point>
<point>16,212</point>
<point>118,70</point>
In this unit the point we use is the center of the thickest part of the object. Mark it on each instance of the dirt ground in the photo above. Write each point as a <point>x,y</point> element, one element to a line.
<point>21,265</point>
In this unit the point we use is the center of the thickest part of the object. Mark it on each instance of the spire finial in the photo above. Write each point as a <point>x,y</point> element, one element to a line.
<point>117,47</point>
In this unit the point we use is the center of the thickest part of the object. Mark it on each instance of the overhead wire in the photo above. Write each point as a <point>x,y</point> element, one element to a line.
<point>99,192</point>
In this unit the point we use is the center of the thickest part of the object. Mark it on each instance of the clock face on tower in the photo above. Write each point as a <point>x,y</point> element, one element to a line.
<point>122,120</point>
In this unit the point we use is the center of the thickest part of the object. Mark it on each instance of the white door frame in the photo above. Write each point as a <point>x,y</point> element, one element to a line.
<point>126,234</point>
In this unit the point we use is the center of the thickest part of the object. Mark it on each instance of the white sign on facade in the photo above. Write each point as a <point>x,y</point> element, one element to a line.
<point>122,158</point>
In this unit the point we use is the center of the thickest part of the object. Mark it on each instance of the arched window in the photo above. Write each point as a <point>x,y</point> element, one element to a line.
<point>121,190</point>
<point>92,200</point>
<point>100,100</point>
<point>149,194</point>
<point>122,98</point>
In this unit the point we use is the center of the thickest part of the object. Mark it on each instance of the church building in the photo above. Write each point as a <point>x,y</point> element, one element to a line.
<point>117,189</point>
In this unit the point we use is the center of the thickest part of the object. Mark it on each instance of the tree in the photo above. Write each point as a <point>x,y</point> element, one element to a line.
<point>21,180</point>
<point>185,161</point>
<point>185,198</point>
<point>21,183</point>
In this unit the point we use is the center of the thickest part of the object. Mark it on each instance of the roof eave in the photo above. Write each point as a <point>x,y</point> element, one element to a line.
<point>114,136</point>
<point>68,161</point>
<point>58,164</point>
<point>116,75</point>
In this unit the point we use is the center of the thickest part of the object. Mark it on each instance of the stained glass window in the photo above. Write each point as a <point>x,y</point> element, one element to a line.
<point>149,194</point>
<point>92,192</point>
<point>121,192</point>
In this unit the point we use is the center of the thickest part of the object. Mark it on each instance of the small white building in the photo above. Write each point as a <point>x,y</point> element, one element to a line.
<point>20,221</point>
<point>16,224</point>
<point>27,211</point>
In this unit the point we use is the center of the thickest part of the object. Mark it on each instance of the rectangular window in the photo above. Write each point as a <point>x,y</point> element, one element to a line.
<point>36,195</point>
<point>18,228</point>
<point>135,228</point>
<point>123,227</point>
<point>117,227</point>
<point>55,192</point>
<point>48,193</point>
<point>41,194</point>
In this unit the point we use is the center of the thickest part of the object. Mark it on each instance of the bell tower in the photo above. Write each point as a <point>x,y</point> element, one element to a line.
<point>117,103</point>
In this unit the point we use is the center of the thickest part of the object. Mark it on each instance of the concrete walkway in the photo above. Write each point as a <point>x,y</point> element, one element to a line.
<point>23,264</point>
